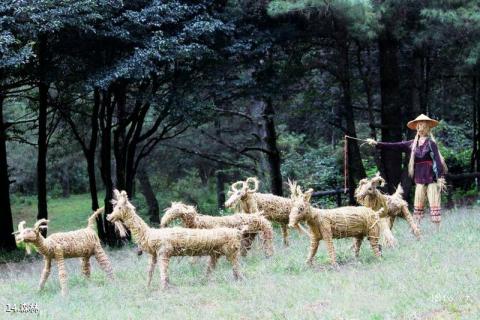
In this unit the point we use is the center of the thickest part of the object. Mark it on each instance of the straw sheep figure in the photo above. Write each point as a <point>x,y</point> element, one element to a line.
<point>368,195</point>
<point>274,208</point>
<point>169,242</point>
<point>253,222</point>
<point>82,243</point>
<point>329,224</point>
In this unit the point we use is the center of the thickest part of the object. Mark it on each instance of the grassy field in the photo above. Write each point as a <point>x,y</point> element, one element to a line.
<point>436,278</point>
<point>67,213</point>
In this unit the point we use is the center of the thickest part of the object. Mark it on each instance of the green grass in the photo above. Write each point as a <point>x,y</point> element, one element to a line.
<point>436,278</point>
<point>64,214</point>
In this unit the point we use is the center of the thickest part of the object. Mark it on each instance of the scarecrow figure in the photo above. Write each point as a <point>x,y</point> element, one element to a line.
<point>426,166</point>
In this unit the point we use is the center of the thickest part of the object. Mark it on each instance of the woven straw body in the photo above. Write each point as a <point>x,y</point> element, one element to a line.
<point>83,243</point>
<point>168,242</point>
<point>347,222</point>
<point>179,241</point>
<point>274,208</point>
<point>74,244</point>
<point>252,224</point>
<point>329,224</point>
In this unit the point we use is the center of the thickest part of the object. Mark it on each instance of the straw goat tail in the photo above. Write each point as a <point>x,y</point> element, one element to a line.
<point>93,218</point>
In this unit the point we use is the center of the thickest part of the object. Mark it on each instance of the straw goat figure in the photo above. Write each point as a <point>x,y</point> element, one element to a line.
<point>327,224</point>
<point>168,242</point>
<point>274,208</point>
<point>82,243</point>
<point>368,195</point>
<point>253,222</point>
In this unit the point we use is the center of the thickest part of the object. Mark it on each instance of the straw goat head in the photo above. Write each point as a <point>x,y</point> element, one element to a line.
<point>240,190</point>
<point>300,206</point>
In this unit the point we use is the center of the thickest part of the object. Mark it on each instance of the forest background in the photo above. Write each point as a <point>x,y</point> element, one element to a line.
<point>174,100</point>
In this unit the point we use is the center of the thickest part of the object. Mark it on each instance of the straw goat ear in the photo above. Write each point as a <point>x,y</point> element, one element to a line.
<point>21,226</point>
<point>308,195</point>
<point>292,185</point>
<point>116,194</point>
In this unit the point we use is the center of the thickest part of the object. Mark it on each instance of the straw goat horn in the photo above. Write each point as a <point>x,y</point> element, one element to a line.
<point>234,185</point>
<point>378,180</point>
<point>255,184</point>
<point>39,223</point>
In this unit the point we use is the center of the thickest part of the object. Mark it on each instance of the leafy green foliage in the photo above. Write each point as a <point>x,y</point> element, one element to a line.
<point>358,16</point>
<point>457,22</point>
<point>317,167</point>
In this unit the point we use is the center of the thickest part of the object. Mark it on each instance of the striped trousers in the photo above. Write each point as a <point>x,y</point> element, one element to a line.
<point>432,192</point>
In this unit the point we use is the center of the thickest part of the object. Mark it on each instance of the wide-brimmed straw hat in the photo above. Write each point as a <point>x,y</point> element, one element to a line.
<point>431,122</point>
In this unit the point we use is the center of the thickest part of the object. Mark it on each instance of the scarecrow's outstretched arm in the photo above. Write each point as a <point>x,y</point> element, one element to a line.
<point>403,146</point>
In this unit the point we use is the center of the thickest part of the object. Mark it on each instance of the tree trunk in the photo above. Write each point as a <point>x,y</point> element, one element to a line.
<point>92,180</point>
<point>390,107</point>
<point>90,154</point>
<point>220,190</point>
<point>42,132</point>
<point>147,191</point>
<point>119,138</point>
<point>412,110</point>
<point>355,165</point>
<point>7,240</point>
<point>269,138</point>
<point>106,230</point>
<point>367,85</point>
<point>416,82</point>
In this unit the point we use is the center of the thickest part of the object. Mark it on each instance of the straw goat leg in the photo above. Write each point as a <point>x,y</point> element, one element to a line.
<point>328,237</point>
<point>164,261</point>
<point>151,268</point>
<point>103,261</point>
<point>86,266</point>
<point>62,272</point>
<point>285,234</point>
<point>357,243</point>
<point>374,243</point>
<point>233,259</point>
<point>45,272</point>
<point>247,243</point>
<point>411,222</point>
<point>314,242</point>
<point>212,264</point>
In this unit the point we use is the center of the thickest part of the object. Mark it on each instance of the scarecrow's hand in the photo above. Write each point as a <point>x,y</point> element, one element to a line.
<point>371,142</point>
<point>442,184</point>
